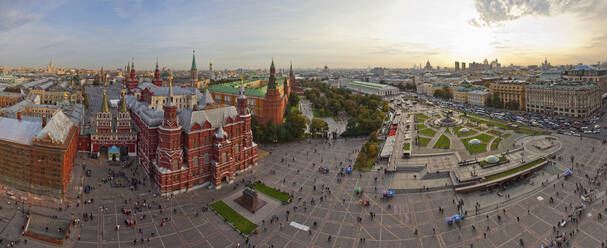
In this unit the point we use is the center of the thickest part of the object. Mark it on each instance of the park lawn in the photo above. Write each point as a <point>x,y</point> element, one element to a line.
<point>448,130</point>
<point>407,146</point>
<point>515,170</point>
<point>420,126</point>
<point>272,192</point>
<point>506,135</point>
<point>419,118</point>
<point>241,223</point>
<point>422,141</point>
<point>460,134</point>
<point>443,142</point>
<point>482,147</point>
<point>427,132</point>
<point>485,164</point>
<point>495,132</point>
<point>503,125</point>
<point>495,144</point>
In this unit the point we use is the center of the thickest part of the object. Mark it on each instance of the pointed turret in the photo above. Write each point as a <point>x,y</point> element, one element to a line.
<point>194,72</point>
<point>157,80</point>
<point>242,95</point>
<point>194,60</point>
<point>272,79</point>
<point>123,102</point>
<point>104,106</point>
<point>170,97</point>
<point>242,99</point>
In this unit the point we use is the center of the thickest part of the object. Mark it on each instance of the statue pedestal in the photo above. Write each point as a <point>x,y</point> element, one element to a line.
<point>249,200</point>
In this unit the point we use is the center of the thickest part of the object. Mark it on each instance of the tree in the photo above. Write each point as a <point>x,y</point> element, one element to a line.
<point>293,99</point>
<point>295,125</point>
<point>318,126</point>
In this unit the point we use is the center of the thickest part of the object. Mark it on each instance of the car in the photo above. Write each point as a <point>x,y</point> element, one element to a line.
<point>89,173</point>
<point>87,189</point>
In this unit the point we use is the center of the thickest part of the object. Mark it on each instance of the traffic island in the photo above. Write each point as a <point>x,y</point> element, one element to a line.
<point>47,229</point>
<point>242,224</point>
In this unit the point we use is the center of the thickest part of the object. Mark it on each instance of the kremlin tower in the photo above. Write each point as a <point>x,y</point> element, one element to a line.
<point>273,103</point>
<point>194,72</point>
<point>157,81</point>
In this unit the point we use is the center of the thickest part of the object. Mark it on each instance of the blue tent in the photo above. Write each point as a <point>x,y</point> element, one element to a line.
<point>567,172</point>
<point>114,149</point>
<point>349,169</point>
<point>455,218</point>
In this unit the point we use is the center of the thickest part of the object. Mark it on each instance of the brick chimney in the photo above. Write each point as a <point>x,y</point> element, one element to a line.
<point>43,121</point>
<point>18,115</point>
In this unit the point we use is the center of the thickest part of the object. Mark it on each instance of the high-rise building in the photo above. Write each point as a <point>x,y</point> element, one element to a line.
<point>463,66</point>
<point>456,66</point>
<point>211,73</point>
<point>428,66</point>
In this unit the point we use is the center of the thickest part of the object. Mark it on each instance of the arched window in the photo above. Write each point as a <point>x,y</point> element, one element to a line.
<point>195,164</point>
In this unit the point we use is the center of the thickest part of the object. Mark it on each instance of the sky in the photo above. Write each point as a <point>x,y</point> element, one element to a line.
<point>310,33</point>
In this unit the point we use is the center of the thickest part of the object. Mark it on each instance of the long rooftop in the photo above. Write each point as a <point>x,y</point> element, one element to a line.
<point>233,88</point>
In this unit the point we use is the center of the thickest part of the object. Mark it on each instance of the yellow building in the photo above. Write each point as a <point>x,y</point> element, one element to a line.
<point>54,97</point>
<point>255,90</point>
<point>510,91</point>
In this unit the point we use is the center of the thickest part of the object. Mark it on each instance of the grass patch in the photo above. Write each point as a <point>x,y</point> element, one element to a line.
<point>495,132</point>
<point>448,130</point>
<point>407,146</point>
<point>501,161</point>
<point>515,170</point>
<point>443,142</point>
<point>272,192</point>
<point>506,135</point>
<point>460,134</point>
<point>420,126</point>
<point>419,118</point>
<point>482,147</point>
<point>504,125</point>
<point>241,223</point>
<point>427,132</point>
<point>422,141</point>
<point>495,144</point>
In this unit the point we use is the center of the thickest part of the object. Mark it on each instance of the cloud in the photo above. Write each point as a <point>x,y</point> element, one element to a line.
<point>11,17</point>
<point>492,12</point>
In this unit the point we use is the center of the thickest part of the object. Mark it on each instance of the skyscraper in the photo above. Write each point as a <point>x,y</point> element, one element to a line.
<point>463,66</point>
<point>456,66</point>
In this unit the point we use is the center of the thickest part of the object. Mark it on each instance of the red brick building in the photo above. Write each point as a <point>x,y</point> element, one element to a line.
<point>192,148</point>
<point>110,131</point>
<point>9,98</point>
<point>37,157</point>
<point>274,103</point>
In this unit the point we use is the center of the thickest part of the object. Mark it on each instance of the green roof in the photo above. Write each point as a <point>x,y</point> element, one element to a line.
<point>367,85</point>
<point>233,88</point>
<point>193,62</point>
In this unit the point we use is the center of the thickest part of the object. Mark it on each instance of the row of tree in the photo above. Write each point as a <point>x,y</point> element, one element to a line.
<point>444,93</point>
<point>494,101</point>
<point>366,112</point>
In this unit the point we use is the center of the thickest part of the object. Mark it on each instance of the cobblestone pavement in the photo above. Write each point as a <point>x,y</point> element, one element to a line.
<point>527,218</point>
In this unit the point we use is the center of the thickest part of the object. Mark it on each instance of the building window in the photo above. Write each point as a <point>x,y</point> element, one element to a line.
<point>175,165</point>
<point>218,97</point>
<point>206,158</point>
<point>223,157</point>
<point>227,98</point>
<point>195,164</point>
